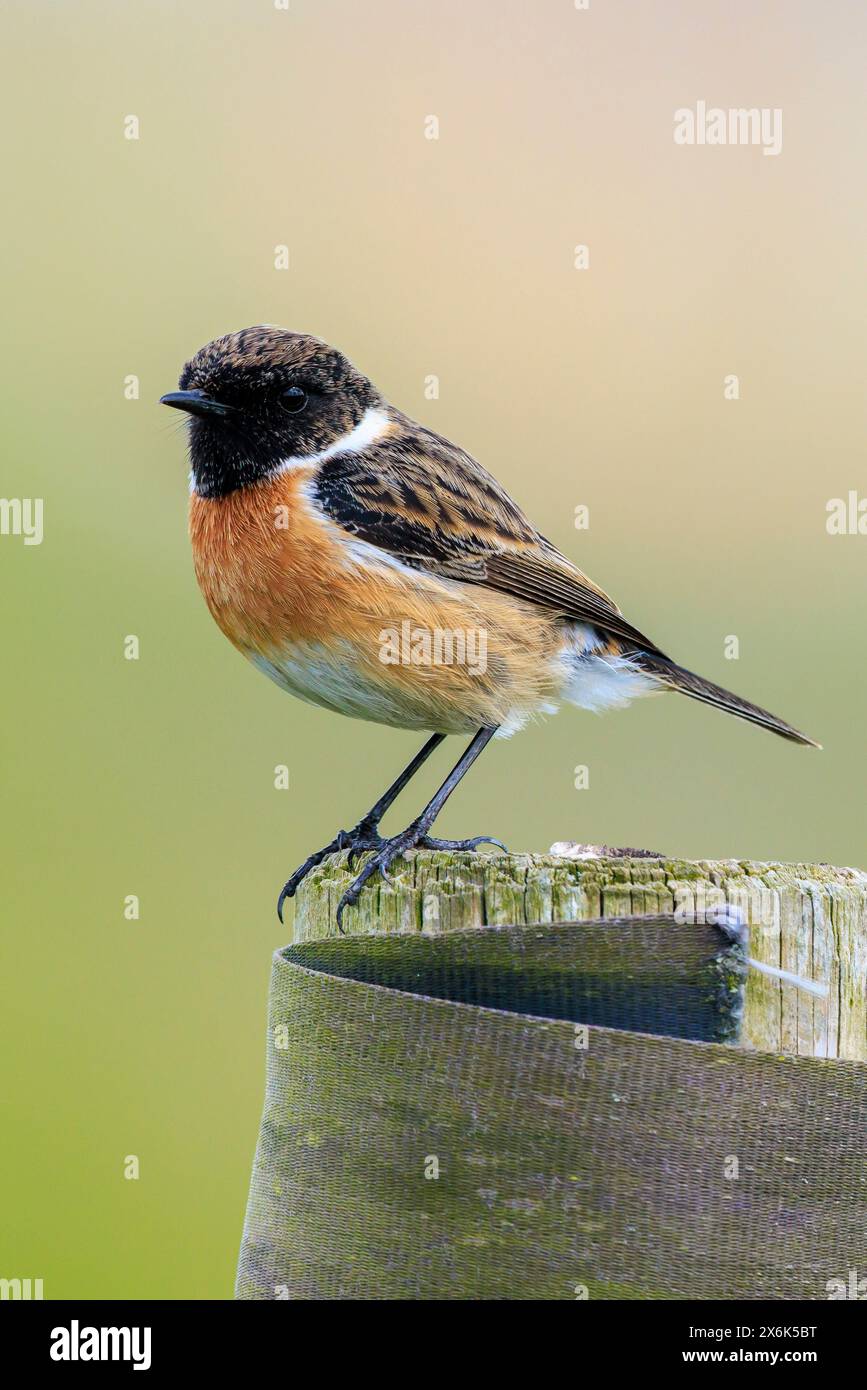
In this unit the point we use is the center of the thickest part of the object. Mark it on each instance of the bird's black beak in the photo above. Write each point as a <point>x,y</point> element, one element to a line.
<point>196,403</point>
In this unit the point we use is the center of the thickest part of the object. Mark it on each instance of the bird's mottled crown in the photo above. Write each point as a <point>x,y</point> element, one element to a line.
<point>264,358</point>
<point>264,395</point>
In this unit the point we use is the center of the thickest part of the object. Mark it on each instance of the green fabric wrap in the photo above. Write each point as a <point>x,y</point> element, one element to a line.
<point>525,1113</point>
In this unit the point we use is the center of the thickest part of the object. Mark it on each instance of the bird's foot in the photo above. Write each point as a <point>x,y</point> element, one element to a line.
<point>427,842</point>
<point>365,836</point>
<point>414,837</point>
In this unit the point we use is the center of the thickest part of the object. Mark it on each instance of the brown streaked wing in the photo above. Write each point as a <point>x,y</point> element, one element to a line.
<point>431,505</point>
<point>547,578</point>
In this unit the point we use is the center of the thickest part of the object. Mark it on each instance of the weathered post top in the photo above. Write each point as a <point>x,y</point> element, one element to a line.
<point>806,919</point>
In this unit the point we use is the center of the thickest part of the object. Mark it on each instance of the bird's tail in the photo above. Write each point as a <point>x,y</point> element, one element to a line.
<point>676,678</point>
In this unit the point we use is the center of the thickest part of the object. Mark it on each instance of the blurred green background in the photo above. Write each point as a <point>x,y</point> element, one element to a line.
<point>451,257</point>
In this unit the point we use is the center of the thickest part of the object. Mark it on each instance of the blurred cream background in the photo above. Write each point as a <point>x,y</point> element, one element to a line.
<point>451,257</point>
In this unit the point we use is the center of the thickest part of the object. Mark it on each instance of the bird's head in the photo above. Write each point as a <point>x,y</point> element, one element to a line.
<point>264,396</point>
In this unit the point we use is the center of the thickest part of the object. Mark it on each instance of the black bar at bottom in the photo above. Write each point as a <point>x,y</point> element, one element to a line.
<point>159,1338</point>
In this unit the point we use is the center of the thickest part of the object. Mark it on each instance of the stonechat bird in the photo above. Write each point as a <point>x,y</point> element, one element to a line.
<point>368,565</point>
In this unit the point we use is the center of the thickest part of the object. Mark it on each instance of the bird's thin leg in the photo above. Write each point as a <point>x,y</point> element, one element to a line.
<point>365,835</point>
<point>415,835</point>
<point>376,812</point>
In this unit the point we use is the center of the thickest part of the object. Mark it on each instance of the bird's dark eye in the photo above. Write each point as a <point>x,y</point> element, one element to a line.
<point>294,399</point>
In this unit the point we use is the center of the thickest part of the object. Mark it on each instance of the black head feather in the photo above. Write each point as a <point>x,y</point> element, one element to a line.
<point>262,395</point>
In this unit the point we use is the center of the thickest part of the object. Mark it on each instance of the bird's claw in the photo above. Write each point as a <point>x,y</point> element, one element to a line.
<point>380,863</point>
<point>389,850</point>
<point>427,842</point>
<point>365,836</point>
<point>362,849</point>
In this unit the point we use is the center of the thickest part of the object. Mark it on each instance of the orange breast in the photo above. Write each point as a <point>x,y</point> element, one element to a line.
<point>269,570</point>
<point>310,606</point>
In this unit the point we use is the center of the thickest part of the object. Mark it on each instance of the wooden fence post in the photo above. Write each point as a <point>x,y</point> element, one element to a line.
<point>806,919</point>
<point>551,1077</point>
